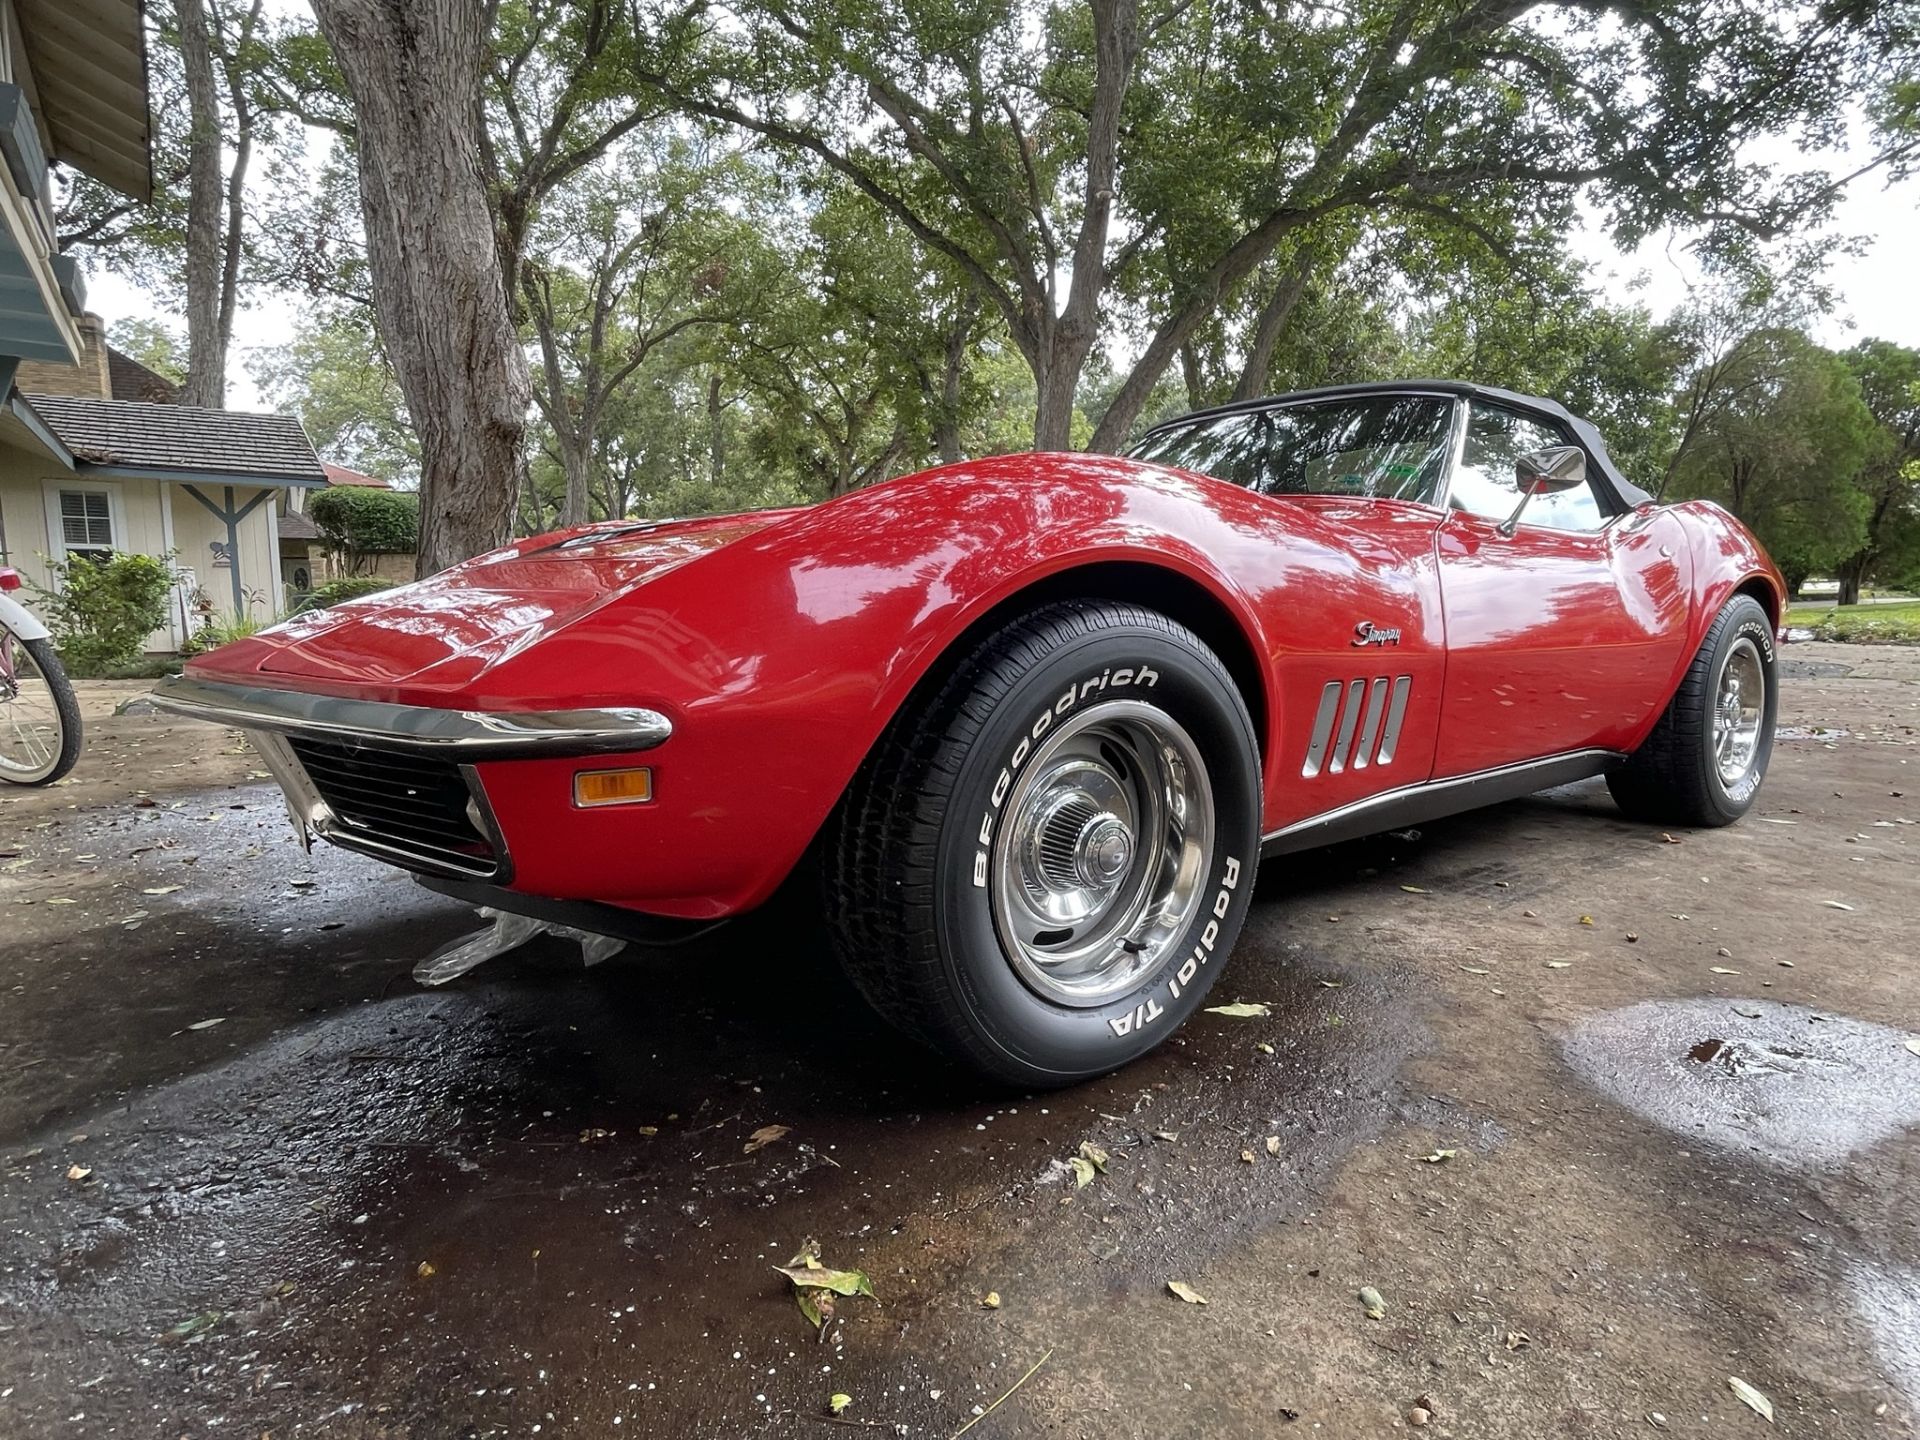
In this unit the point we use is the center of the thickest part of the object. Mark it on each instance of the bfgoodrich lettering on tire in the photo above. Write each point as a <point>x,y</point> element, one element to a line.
<point>1043,865</point>
<point>1705,759</point>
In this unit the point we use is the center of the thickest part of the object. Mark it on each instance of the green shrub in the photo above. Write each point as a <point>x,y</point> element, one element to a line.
<point>347,587</point>
<point>213,633</point>
<point>358,523</point>
<point>101,611</point>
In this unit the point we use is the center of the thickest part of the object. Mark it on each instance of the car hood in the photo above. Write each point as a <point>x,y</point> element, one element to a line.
<point>450,628</point>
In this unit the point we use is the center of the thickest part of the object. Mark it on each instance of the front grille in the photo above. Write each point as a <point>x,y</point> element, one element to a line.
<point>411,806</point>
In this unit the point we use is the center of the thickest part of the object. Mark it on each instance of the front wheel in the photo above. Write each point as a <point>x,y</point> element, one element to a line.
<point>1045,862</point>
<point>39,715</point>
<point>1705,759</point>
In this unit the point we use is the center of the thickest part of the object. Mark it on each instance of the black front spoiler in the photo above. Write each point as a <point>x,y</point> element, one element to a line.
<point>588,915</point>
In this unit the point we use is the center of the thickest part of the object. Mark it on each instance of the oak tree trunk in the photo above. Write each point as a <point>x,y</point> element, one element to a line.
<point>1256,373</point>
<point>206,382</point>
<point>413,71</point>
<point>1852,573</point>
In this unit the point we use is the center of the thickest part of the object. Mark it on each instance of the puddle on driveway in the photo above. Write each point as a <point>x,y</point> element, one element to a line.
<point>1793,1087</point>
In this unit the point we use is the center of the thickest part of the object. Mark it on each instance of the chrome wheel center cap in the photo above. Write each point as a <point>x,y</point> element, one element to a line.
<point>1104,851</point>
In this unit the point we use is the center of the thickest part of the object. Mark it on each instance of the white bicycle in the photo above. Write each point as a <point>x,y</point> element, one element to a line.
<point>39,715</point>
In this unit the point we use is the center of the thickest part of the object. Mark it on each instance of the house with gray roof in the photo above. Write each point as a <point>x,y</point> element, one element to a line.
<point>86,471</point>
<point>95,459</point>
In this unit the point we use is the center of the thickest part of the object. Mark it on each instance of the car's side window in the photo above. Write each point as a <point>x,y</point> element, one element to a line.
<point>1485,482</point>
<point>1373,446</point>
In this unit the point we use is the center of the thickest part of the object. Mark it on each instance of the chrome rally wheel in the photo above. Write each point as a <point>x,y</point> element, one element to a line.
<point>1101,859</point>
<point>1046,861</point>
<point>1739,710</point>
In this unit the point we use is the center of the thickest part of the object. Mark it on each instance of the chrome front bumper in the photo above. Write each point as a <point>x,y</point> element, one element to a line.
<point>458,734</point>
<point>446,742</point>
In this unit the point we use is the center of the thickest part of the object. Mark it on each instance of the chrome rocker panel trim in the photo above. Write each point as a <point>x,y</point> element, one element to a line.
<point>1434,799</point>
<point>463,734</point>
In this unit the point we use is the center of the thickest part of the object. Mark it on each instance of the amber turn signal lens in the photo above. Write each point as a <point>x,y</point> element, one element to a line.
<point>612,787</point>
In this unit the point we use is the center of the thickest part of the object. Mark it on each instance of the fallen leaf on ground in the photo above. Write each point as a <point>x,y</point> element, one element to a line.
<point>1083,1171</point>
<point>1241,1010</point>
<point>1186,1292</point>
<point>194,1328</point>
<point>208,1024</point>
<point>1751,1398</point>
<point>1246,1157</point>
<point>1475,970</point>
<point>1914,1046</point>
<point>1670,839</point>
<point>1416,890</point>
<point>1273,1145</point>
<point>1372,1303</point>
<point>163,889</point>
<point>1096,1155</point>
<point>839,1403</point>
<point>1559,964</point>
<point>594,1135</point>
<point>425,1270</point>
<point>63,900</point>
<point>1330,984</point>
<point>1518,1339</point>
<point>1264,1048</point>
<point>764,1137</point>
<point>1438,1157</point>
<point>1836,905</point>
<point>1586,919</point>
<point>77,1173</point>
<point>814,1284</point>
<point>990,1300</point>
<point>1167,1135</point>
<point>1722,970</point>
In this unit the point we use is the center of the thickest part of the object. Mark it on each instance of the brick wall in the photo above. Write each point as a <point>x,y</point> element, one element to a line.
<point>88,378</point>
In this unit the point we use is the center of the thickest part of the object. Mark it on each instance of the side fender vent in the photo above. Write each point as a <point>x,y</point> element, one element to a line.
<point>1369,711</point>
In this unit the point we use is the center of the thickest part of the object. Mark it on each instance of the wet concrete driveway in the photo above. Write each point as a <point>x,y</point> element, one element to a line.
<point>1604,1118</point>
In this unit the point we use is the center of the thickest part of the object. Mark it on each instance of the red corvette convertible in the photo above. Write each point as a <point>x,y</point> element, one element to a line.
<point>1035,719</point>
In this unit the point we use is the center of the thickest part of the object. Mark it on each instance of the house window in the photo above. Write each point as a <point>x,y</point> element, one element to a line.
<point>86,523</point>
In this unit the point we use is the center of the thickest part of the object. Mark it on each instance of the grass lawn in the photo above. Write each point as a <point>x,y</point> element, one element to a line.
<point>1897,624</point>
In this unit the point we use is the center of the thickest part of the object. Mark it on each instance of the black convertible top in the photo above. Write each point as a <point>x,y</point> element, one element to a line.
<point>1626,493</point>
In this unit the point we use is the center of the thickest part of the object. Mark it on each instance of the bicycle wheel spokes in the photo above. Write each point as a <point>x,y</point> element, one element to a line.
<point>29,717</point>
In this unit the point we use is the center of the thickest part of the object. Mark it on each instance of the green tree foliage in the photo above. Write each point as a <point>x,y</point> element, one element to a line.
<point>1048,153</point>
<point>154,343</point>
<point>1889,476</point>
<point>334,375</point>
<point>101,611</point>
<point>360,523</point>
<point>1783,450</point>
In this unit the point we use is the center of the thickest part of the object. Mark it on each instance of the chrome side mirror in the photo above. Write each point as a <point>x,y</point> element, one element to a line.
<point>1551,471</point>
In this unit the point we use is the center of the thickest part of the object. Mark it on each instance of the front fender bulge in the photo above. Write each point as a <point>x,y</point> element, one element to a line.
<point>780,659</point>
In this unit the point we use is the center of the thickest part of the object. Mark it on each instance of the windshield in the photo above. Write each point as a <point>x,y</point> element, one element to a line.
<point>1385,445</point>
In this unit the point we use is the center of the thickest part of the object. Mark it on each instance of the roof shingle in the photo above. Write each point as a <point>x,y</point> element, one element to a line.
<point>181,437</point>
